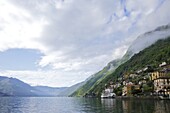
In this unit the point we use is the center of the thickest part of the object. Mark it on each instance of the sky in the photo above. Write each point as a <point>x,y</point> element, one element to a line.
<point>59,43</point>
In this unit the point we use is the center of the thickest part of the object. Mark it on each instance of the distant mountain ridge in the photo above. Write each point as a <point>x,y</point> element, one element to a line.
<point>68,91</point>
<point>16,87</point>
<point>48,91</point>
<point>139,44</point>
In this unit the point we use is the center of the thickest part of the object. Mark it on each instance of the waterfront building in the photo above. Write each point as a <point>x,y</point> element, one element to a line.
<point>162,85</point>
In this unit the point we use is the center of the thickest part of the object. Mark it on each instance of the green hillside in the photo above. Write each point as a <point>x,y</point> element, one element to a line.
<point>152,56</point>
<point>99,76</point>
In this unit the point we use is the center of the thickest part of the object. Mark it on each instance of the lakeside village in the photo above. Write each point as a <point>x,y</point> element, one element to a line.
<point>146,82</point>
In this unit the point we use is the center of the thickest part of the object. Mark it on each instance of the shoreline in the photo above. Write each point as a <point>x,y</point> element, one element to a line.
<point>141,97</point>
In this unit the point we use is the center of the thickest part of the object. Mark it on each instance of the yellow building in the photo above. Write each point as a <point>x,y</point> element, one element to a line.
<point>161,82</point>
<point>128,89</point>
<point>157,74</point>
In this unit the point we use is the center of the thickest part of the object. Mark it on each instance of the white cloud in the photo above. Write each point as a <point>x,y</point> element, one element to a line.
<point>19,29</point>
<point>77,35</point>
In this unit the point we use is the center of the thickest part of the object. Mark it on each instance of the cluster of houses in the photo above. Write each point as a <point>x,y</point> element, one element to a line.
<point>142,82</point>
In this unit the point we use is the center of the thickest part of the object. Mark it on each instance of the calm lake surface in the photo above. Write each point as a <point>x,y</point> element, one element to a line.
<point>81,105</point>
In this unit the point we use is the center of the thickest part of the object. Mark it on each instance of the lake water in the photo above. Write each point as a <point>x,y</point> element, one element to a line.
<point>81,105</point>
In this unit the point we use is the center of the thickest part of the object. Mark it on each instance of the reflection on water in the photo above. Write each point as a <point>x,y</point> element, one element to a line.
<point>137,105</point>
<point>81,105</point>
